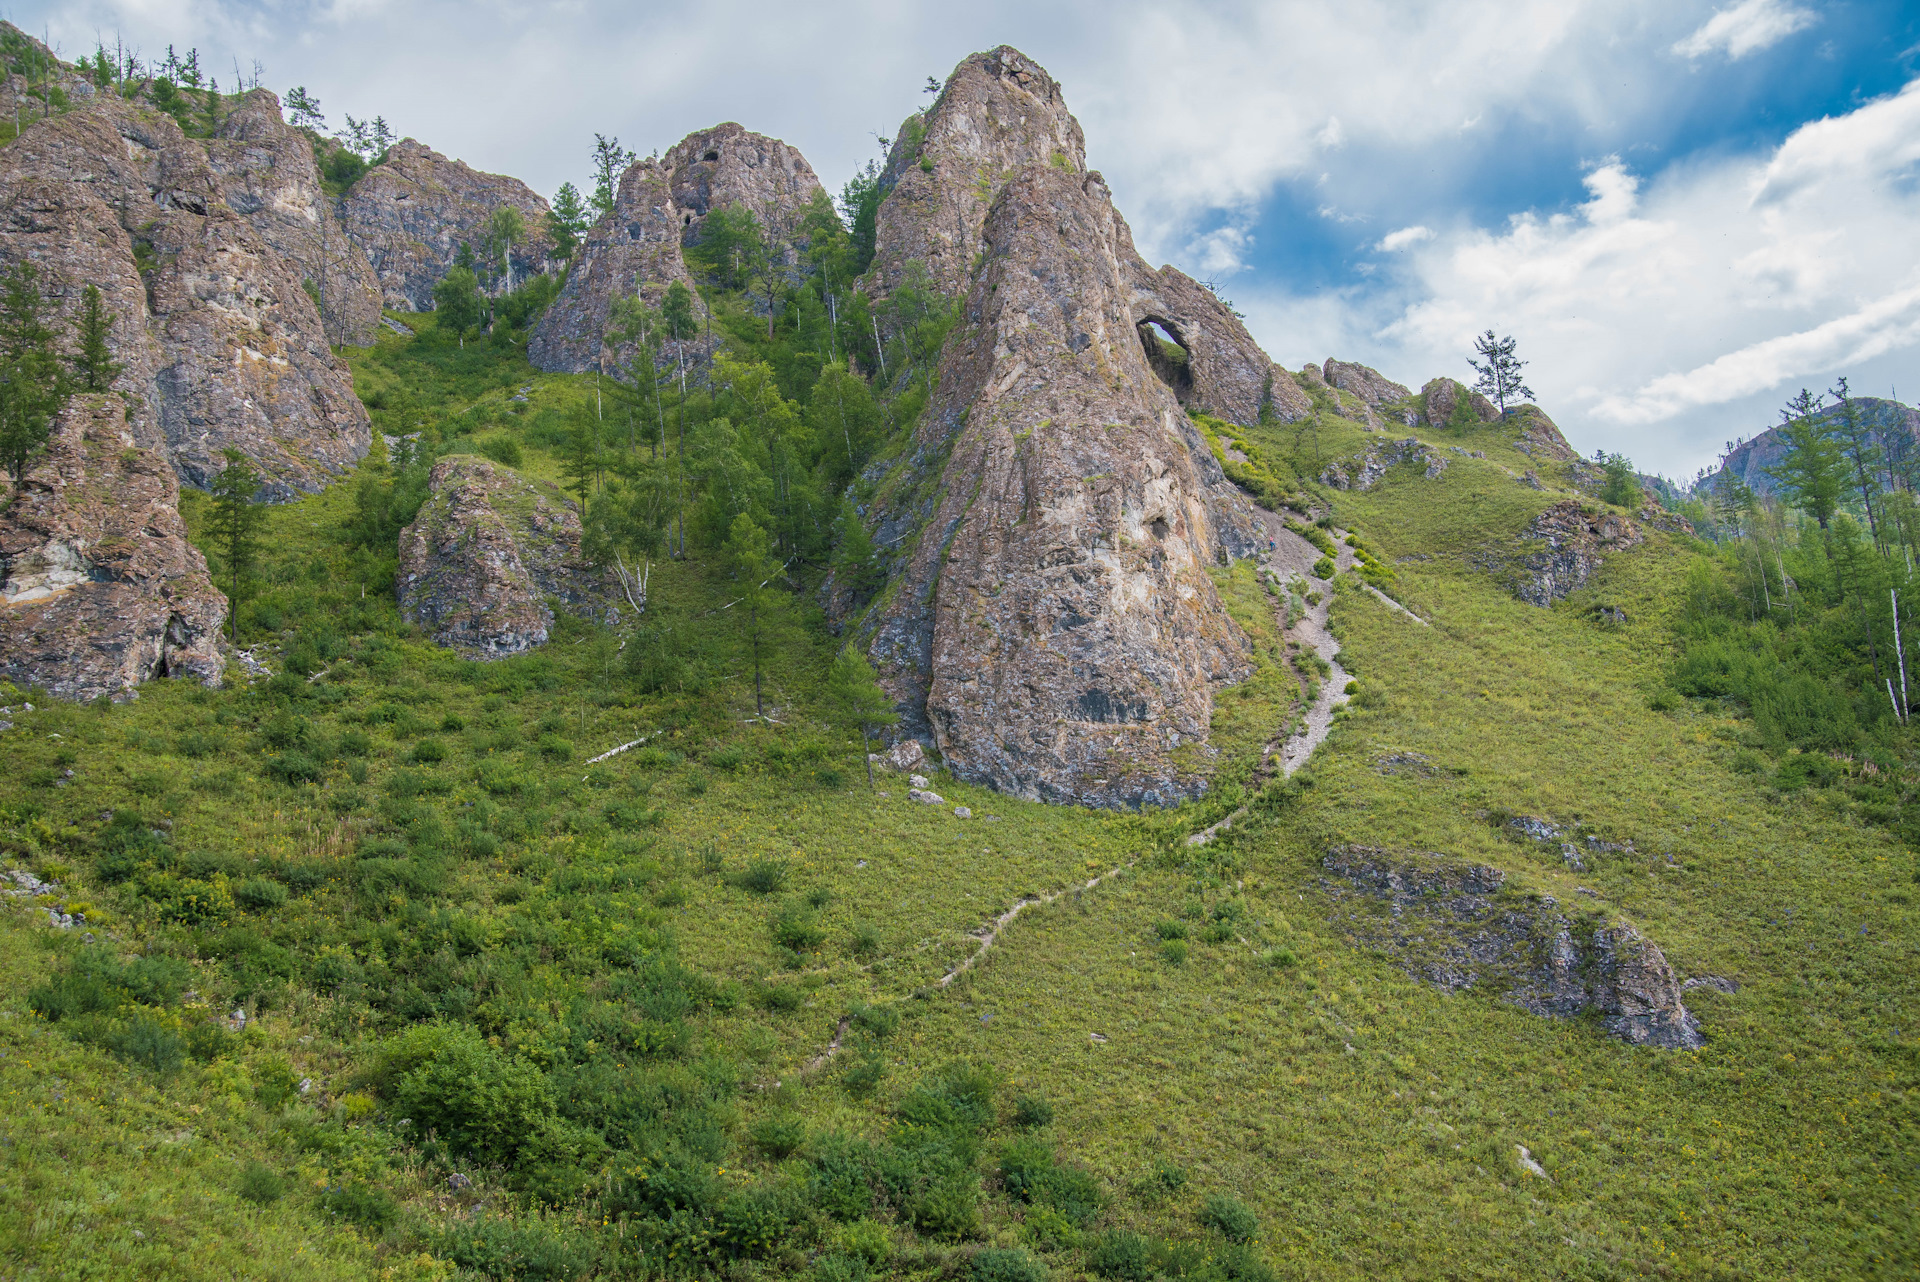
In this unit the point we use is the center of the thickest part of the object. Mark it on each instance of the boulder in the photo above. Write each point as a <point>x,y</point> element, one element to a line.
<point>268,176</point>
<point>1573,541</point>
<point>902,757</point>
<point>634,250</point>
<point>1460,926</point>
<point>1368,384</point>
<point>101,588</point>
<point>1442,395</point>
<point>411,213</point>
<point>214,330</point>
<point>488,554</point>
<point>1054,628</point>
<point>727,165</point>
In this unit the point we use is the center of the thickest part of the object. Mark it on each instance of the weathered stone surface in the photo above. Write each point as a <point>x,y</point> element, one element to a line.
<point>1442,394</point>
<point>413,211</point>
<point>1055,631</point>
<point>216,334</point>
<point>487,552</point>
<point>1371,467</point>
<point>268,176</point>
<point>1459,926</point>
<point>635,250</point>
<point>1225,372</point>
<point>727,165</point>
<point>1574,540</point>
<point>999,112</point>
<point>1539,438</point>
<point>101,589</point>
<point>1368,384</point>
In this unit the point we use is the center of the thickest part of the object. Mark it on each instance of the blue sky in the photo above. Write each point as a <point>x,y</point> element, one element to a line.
<point>1684,211</point>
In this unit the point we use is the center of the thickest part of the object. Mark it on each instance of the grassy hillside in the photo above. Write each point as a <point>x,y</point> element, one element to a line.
<point>510,1013</point>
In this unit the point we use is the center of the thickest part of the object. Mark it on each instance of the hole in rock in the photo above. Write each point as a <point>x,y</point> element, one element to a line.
<point>1159,528</point>
<point>1167,354</point>
<point>712,155</point>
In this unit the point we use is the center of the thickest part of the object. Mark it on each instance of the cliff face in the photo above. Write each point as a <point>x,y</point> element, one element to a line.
<point>99,588</point>
<point>411,213</point>
<point>268,176</point>
<point>1000,111</point>
<point>728,165</point>
<point>1054,629</point>
<point>1895,426</point>
<point>635,250</point>
<point>214,329</point>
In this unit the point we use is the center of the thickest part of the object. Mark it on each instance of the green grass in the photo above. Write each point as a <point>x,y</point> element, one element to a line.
<point>1367,1122</point>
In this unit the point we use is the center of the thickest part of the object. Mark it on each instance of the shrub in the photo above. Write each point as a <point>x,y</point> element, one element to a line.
<point>1123,1256</point>
<point>1007,1266</point>
<point>1170,929</point>
<point>1230,1217</point>
<point>295,768</point>
<point>779,997</point>
<point>527,1247</point>
<point>1032,1110</point>
<point>865,941</point>
<point>141,1040</point>
<point>868,1241</point>
<point>861,1079</point>
<point>448,1079</point>
<point>553,748</point>
<point>1279,958</point>
<point>1323,568</point>
<point>430,751</point>
<point>261,1184</point>
<point>728,759</point>
<point>364,1205</point>
<point>501,449</point>
<point>831,777</point>
<point>764,876</point>
<point>798,928</point>
<point>877,1022</point>
<point>834,1266</point>
<point>260,894</point>
<point>778,1137</point>
<point>354,743</point>
<point>1174,952</point>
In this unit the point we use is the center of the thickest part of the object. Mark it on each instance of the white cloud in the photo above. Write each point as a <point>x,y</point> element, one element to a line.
<point>1664,317</point>
<point>1748,27</point>
<point>1405,238</point>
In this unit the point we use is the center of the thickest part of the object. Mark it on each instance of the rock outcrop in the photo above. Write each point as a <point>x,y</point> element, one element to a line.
<point>268,176</point>
<point>99,587</point>
<point>727,165</point>
<point>1574,540</point>
<point>1895,427</point>
<point>1369,384</point>
<point>1443,396</point>
<point>634,250</point>
<point>486,555</point>
<point>1539,437</point>
<point>1371,467</point>
<point>411,213</point>
<point>1460,926</point>
<point>1054,629</point>
<point>215,332</point>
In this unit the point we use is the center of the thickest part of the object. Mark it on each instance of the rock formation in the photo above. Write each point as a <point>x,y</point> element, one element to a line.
<point>1442,395</point>
<point>1895,426</point>
<point>1539,437</point>
<point>636,249</point>
<point>727,165</point>
<point>1054,629</point>
<point>268,176</point>
<point>411,213</point>
<point>1368,384</point>
<point>1371,467</point>
<point>487,552</point>
<point>1457,926</point>
<point>101,589</point>
<point>214,330</point>
<point>1573,541</point>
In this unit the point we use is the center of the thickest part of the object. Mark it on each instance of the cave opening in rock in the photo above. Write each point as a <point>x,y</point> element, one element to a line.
<point>1167,354</point>
<point>712,155</point>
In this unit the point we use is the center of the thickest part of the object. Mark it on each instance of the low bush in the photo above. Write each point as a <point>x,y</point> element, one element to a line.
<point>260,1184</point>
<point>1007,1266</point>
<point>764,876</point>
<point>1230,1217</point>
<point>260,894</point>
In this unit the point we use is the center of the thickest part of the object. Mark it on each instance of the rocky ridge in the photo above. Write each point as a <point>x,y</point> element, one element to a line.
<point>411,213</point>
<point>1460,926</point>
<point>99,587</point>
<point>488,554</point>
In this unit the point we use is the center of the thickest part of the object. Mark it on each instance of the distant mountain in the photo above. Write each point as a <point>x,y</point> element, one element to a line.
<point>1895,424</point>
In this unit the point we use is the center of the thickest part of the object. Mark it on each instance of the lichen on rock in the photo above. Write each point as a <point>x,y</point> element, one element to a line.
<point>1461,926</point>
<point>101,588</point>
<point>487,554</point>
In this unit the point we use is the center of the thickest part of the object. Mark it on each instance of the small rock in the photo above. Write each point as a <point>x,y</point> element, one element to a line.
<point>1718,983</point>
<point>1098,1038</point>
<point>918,781</point>
<point>457,1181</point>
<point>961,812</point>
<point>861,864</point>
<point>1530,1166</point>
<point>306,1085</point>
<point>905,755</point>
<point>139,1236</point>
<point>926,798</point>
<point>237,1021</point>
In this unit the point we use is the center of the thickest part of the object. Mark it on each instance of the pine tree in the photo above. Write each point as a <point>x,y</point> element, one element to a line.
<point>750,555</point>
<point>1622,485</point>
<point>456,302</point>
<point>33,385</point>
<point>567,221</point>
<point>610,160</point>
<point>237,519</point>
<point>676,310</point>
<point>1813,473</point>
<point>94,367</point>
<point>855,695</point>
<point>1500,379</point>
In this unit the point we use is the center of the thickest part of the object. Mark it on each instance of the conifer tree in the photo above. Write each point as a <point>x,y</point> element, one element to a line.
<point>1499,372</point>
<point>855,694</point>
<point>237,519</point>
<point>93,366</point>
<point>567,220</point>
<point>33,385</point>
<point>610,160</point>
<point>1813,473</point>
<point>750,555</point>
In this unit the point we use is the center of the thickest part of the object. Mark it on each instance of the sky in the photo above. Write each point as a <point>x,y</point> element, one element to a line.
<point>1683,212</point>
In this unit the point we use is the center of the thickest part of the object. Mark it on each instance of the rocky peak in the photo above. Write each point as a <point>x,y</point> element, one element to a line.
<point>1539,437</point>
<point>411,213</point>
<point>1442,395</point>
<point>635,250</point>
<point>999,111</point>
<point>1368,384</point>
<point>216,334</point>
<point>1055,631</point>
<point>728,165</point>
<point>268,176</point>
<point>99,587</point>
